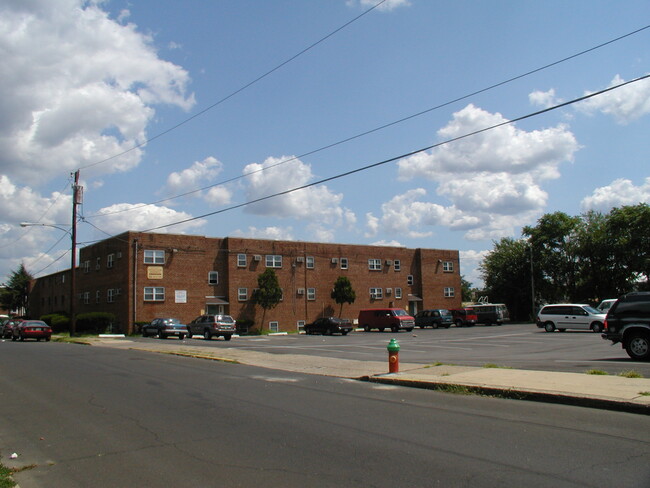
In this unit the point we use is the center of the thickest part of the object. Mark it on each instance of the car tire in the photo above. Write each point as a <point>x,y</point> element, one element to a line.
<point>227,337</point>
<point>638,346</point>
<point>549,327</point>
<point>394,329</point>
<point>144,334</point>
<point>47,339</point>
<point>14,338</point>
<point>434,325</point>
<point>447,326</point>
<point>597,327</point>
<point>207,335</point>
<point>161,335</point>
<point>189,335</point>
<point>459,323</point>
<point>366,328</point>
<point>381,329</point>
<point>345,332</point>
<point>409,329</point>
<point>181,337</point>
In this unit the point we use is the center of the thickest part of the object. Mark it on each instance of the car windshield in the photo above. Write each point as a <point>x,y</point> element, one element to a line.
<point>172,321</point>
<point>445,313</point>
<point>400,313</point>
<point>592,310</point>
<point>225,318</point>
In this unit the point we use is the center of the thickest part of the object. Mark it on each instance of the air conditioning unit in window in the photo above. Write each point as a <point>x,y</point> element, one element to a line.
<point>335,260</point>
<point>389,291</point>
<point>257,257</point>
<point>300,259</point>
<point>301,291</point>
<point>389,262</point>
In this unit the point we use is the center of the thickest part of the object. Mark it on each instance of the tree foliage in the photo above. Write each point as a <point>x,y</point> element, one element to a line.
<point>16,292</point>
<point>268,293</point>
<point>574,259</point>
<point>343,292</point>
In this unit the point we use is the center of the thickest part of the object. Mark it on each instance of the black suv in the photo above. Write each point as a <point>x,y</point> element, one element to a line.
<point>628,322</point>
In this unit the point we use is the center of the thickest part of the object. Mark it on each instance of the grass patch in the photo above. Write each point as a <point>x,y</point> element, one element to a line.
<point>496,366</point>
<point>5,477</point>
<point>597,372</point>
<point>630,374</point>
<point>644,393</point>
<point>433,365</point>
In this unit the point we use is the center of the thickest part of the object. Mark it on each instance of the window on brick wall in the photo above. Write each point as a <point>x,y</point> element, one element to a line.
<point>398,293</point>
<point>449,292</point>
<point>242,294</point>
<point>86,266</point>
<point>98,263</point>
<point>213,278</point>
<point>154,256</point>
<point>154,293</point>
<point>311,293</point>
<point>273,261</point>
<point>376,293</point>
<point>274,326</point>
<point>409,280</point>
<point>309,262</point>
<point>110,295</point>
<point>110,260</point>
<point>241,260</point>
<point>374,264</point>
<point>448,266</point>
<point>97,296</point>
<point>86,297</point>
<point>344,263</point>
<point>397,265</point>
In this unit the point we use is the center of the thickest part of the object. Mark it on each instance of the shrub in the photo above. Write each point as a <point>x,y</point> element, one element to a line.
<point>94,323</point>
<point>58,321</point>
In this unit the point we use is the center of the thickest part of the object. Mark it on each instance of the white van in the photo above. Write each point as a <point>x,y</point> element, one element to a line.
<point>563,316</point>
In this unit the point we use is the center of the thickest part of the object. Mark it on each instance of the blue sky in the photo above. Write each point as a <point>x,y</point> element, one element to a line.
<point>85,81</point>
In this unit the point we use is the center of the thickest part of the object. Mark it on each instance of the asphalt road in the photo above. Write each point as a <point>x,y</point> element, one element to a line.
<point>520,346</point>
<point>85,416</point>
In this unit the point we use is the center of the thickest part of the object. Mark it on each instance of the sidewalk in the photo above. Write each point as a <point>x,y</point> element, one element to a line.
<point>596,391</point>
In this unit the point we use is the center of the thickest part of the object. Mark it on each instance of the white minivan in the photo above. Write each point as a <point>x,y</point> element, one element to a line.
<point>564,316</point>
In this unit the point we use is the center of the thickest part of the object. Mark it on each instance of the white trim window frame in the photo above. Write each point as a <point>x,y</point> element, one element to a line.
<point>344,263</point>
<point>213,277</point>
<point>450,292</point>
<point>242,261</point>
<point>309,262</point>
<point>110,295</point>
<point>374,264</point>
<point>154,256</point>
<point>311,294</point>
<point>377,293</point>
<point>398,293</point>
<point>397,265</point>
<point>273,261</point>
<point>154,293</point>
<point>274,326</point>
<point>110,260</point>
<point>448,267</point>
<point>242,294</point>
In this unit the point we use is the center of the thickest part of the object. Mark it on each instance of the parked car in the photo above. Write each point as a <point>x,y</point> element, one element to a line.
<point>394,319</point>
<point>628,323</point>
<point>491,313</point>
<point>164,328</point>
<point>8,328</point>
<point>31,329</point>
<point>329,326</point>
<point>464,317</point>
<point>564,316</point>
<point>435,318</point>
<point>210,326</point>
<point>605,305</point>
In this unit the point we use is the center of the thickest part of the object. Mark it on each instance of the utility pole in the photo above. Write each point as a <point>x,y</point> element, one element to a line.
<point>76,199</point>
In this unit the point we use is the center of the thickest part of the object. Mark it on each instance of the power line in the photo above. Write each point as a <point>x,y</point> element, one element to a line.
<point>385,126</point>
<point>239,90</point>
<point>401,156</point>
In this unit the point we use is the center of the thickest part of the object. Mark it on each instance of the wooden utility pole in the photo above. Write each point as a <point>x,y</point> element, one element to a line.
<point>76,199</point>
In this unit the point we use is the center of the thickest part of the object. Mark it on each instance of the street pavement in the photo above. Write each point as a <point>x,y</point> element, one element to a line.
<point>596,391</point>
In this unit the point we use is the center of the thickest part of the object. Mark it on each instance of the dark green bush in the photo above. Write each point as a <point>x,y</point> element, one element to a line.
<point>94,323</point>
<point>58,321</point>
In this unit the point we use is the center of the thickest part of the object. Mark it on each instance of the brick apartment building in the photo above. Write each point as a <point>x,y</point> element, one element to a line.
<point>140,276</point>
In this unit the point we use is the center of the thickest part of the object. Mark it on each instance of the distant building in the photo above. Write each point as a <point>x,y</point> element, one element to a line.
<point>139,276</point>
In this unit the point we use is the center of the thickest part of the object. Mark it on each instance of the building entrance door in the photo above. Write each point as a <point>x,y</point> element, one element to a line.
<point>212,309</point>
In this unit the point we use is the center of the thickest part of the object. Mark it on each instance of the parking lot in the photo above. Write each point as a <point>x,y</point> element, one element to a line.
<point>520,346</point>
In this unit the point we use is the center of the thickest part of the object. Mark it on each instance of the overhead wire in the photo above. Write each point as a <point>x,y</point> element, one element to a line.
<point>401,156</point>
<point>384,126</point>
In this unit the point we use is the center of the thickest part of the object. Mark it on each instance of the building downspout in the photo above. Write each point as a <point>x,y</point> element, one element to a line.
<point>135,285</point>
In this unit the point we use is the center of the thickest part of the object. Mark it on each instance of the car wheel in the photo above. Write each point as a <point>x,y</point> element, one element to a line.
<point>638,346</point>
<point>447,326</point>
<point>14,338</point>
<point>161,335</point>
<point>22,338</point>
<point>345,332</point>
<point>207,335</point>
<point>549,326</point>
<point>381,329</point>
<point>409,329</point>
<point>562,330</point>
<point>227,337</point>
<point>366,328</point>
<point>459,323</point>
<point>47,339</point>
<point>393,329</point>
<point>144,333</point>
<point>421,326</point>
<point>189,335</point>
<point>597,327</point>
<point>181,337</point>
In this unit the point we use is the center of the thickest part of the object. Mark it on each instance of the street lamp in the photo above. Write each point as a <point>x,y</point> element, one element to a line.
<point>73,265</point>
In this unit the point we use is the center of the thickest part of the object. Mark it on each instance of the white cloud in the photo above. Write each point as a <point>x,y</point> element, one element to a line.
<point>317,204</point>
<point>620,192</point>
<point>200,174</point>
<point>492,179</point>
<point>387,6</point>
<point>122,217</point>
<point>544,99</point>
<point>273,233</point>
<point>469,262</point>
<point>625,104</point>
<point>77,88</point>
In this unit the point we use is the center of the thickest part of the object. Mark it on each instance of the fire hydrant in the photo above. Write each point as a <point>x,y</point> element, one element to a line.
<point>393,356</point>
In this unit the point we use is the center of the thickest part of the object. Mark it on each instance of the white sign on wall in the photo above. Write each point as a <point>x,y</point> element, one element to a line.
<point>181,296</point>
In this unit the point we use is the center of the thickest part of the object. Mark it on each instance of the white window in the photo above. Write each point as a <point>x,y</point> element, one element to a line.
<point>310,262</point>
<point>398,293</point>
<point>397,265</point>
<point>110,260</point>
<point>374,264</point>
<point>97,296</point>
<point>449,292</point>
<point>273,261</point>
<point>242,294</point>
<point>86,297</point>
<point>274,326</point>
<point>376,293</point>
<point>344,263</point>
<point>98,263</point>
<point>154,257</point>
<point>154,293</point>
<point>241,260</point>
<point>86,266</point>
<point>311,293</point>
<point>213,278</point>
<point>409,280</point>
<point>110,295</point>
<point>448,266</point>
<point>300,325</point>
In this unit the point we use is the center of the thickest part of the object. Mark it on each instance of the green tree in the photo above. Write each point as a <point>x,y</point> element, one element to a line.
<point>629,229</point>
<point>268,293</point>
<point>343,293</point>
<point>16,293</point>
<point>506,273</point>
<point>466,289</point>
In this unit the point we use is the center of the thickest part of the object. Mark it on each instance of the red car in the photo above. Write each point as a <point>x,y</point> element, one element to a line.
<point>8,328</point>
<point>32,329</point>
<point>464,317</point>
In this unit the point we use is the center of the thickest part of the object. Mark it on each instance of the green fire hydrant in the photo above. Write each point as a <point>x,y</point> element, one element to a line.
<point>393,356</point>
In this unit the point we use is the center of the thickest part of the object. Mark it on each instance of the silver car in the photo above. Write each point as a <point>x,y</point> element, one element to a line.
<point>563,316</point>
